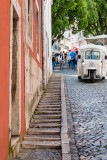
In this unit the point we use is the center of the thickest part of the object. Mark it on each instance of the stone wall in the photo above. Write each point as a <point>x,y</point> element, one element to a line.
<point>33,86</point>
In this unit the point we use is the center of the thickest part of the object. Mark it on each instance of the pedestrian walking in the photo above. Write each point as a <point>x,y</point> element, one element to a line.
<point>76,57</point>
<point>53,62</point>
<point>60,60</point>
<point>65,57</point>
<point>56,60</point>
<point>69,61</point>
<point>73,58</point>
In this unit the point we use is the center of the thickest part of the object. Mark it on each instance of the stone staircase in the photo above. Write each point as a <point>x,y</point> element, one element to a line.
<point>45,127</point>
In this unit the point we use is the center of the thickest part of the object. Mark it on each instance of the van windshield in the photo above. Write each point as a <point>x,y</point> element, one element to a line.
<point>92,55</point>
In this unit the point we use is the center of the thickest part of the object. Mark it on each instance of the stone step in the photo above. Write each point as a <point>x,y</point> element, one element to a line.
<point>55,116</point>
<point>52,94</point>
<point>45,125</point>
<point>50,100</point>
<point>58,82</point>
<point>54,86</point>
<point>49,103</point>
<point>47,112</point>
<point>53,102</point>
<point>49,109</point>
<point>43,131</point>
<point>49,106</point>
<point>52,97</point>
<point>49,92</point>
<point>42,138</point>
<point>52,91</point>
<point>42,144</point>
<point>55,79</point>
<point>55,82</point>
<point>46,120</point>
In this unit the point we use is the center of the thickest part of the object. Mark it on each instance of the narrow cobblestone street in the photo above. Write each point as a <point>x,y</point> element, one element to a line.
<point>87,116</point>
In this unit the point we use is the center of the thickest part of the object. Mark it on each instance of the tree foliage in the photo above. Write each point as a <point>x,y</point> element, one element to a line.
<point>87,15</point>
<point>97,19</point>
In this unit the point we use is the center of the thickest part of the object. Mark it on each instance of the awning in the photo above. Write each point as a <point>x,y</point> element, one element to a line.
<point>97,39</point>
<point>73,49</point>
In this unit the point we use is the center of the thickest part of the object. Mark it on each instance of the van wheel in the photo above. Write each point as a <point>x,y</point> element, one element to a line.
<point>79,77</point>
<point>103,77</point>
<point>92,76</point>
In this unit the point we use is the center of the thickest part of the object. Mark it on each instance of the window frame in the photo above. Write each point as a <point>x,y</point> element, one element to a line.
<point>91,55</point>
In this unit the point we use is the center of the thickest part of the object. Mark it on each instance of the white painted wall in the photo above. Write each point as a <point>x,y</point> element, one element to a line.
<point>47,39</point>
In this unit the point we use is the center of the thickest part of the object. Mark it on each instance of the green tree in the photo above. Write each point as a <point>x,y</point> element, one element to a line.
<point>97,19</point>
<point>88,15</point>
<point>65,13</point>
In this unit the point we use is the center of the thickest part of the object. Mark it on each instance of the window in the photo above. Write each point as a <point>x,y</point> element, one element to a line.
<point>69,35</point>
<point>37,29</point>
<point>59,48</point>
<point>92,55</point>
<point>30,19</point>
<point>79,36</point>
<point>55,46</point>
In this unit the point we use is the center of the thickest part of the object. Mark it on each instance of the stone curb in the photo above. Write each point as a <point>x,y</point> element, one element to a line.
<point>64,128</point>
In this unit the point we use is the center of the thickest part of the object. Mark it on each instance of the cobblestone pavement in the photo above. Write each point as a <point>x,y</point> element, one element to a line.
<point>38,154</point>
<point>87,116</point>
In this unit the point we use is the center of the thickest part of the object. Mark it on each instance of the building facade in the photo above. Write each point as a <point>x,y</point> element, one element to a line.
<point>56,48</point>
<point>22,67</point>
<point>47,39</point>
<point>72,40</point>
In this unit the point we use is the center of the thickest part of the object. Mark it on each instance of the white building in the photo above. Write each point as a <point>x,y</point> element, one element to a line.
<point>72,40</point>
<point>56,48</point>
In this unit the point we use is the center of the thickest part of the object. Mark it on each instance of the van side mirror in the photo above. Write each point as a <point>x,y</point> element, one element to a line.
<point>79,56</point>
<point>106,57</point>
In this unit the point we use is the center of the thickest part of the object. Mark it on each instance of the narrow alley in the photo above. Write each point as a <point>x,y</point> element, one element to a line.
<point>50,50</point>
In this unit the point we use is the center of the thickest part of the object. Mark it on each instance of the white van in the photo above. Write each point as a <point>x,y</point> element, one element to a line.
<point>92,62</point>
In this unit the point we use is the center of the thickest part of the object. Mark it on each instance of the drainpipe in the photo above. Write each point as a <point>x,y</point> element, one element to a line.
<point>43,47</point>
